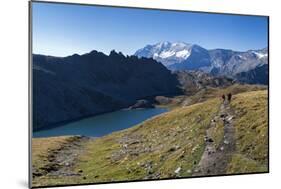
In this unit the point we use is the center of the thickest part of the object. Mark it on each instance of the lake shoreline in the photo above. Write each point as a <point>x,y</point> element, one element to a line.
<point>103,124</point>
<point>88,116</point>
<point>61,123</point>
<point>151,99</point>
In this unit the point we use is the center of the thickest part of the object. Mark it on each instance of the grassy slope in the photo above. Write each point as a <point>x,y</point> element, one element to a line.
<point>183,127</point>
<point>172,140</point>
<point>251,125</point>
<point>208,93</point>
<point>154,149</point>
<point>157,147</point>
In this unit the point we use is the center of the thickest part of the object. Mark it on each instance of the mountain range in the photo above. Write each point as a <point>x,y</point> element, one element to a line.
<point>72,87</point>
<point>250,66</point>
<point>77,86</point>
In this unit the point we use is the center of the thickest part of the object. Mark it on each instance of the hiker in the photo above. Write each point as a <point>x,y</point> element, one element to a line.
<point>229,95</point>
<point>223,97</point>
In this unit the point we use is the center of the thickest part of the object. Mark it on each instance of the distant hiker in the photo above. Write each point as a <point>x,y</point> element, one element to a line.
<point>229,95</point>
<point>223,97</point>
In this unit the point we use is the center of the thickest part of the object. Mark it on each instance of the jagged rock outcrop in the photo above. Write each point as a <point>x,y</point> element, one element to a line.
<point>76,86</point>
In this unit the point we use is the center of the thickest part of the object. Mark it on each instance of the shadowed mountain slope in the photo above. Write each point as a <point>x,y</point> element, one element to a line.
<point>76,86</point>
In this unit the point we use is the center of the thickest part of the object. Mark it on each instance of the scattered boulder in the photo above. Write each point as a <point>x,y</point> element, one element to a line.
<point>223,115</point>
<point>177,171</point>
<point>172,149</point>
<point>37,174</point>
<point>135,142</point>
<point>209,140</point>
<point>129,170</point>
<point>230,118</point>
<point>150,171</point>
<point>196,170</point>
<point>182,155</point>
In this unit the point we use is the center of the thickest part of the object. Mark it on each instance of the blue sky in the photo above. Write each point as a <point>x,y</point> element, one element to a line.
<point>63,29</point>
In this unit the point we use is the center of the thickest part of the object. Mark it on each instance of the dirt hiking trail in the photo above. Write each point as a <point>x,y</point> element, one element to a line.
<point>215,158</point>
<point>61,161</point>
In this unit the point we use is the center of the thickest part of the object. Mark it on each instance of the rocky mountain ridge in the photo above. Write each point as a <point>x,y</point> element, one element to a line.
<point>218,62</point>
<point>77,86</point>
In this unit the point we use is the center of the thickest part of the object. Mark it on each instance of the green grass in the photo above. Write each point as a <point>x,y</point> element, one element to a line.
<point>242,164</point>
<point>251,127</point>
<point>209,93</point>
<point>168,141</point>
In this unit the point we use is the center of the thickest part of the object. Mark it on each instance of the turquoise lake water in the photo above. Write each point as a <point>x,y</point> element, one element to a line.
<point>104,124</point>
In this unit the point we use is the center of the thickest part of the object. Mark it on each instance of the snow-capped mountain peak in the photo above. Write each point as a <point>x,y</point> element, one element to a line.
<point>184,56</point>
<point>166,52</point>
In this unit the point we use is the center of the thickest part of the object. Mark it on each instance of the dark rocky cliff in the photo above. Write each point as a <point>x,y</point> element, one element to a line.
<point>77,86</point>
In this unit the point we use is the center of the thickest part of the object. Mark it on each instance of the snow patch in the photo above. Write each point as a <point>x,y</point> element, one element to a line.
<point>241,57</point>
<point>166,54</point>
<point>183,54</point>
<point>260,55</point>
